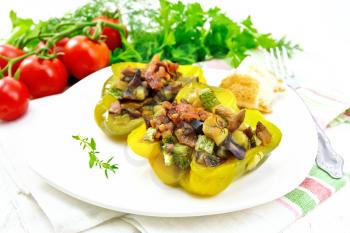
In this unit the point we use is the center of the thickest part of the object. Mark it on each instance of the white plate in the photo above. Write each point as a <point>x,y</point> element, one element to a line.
<point>57,158</point>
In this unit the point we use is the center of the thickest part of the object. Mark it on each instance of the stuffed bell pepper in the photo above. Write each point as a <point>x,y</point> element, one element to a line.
<point>202,141</point>
<point>129,95</point>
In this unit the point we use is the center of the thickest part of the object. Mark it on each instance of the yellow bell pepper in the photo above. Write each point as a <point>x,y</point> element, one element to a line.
<point>199,179</point>
<point>140,146</point>
<point>209,181</point>
<point>225,97</point>
<point>123,125</point>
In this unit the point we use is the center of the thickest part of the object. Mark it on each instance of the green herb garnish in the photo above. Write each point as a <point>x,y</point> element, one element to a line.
<point>182,33</point>
<point>90,145</point>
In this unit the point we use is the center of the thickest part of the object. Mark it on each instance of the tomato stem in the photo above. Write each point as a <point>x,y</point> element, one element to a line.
<point>5,58</point>
<point>53,38</point>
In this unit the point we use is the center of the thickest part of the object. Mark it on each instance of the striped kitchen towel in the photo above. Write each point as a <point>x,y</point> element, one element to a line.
<point>315,189</point>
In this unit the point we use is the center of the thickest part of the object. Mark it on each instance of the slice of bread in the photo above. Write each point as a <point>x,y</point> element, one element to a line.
<point>254,86</point>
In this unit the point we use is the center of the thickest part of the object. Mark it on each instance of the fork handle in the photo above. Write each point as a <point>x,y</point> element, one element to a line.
<point>327,159</point>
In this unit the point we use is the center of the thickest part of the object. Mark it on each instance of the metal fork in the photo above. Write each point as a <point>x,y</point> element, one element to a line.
<point>327,159</point>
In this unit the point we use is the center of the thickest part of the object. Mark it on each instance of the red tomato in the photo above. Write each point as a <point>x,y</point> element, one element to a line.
<point>58,48</point>
<point>43,77</point>
<point>14,99</point>
<point>83,56</point>
<point>113,38</point>
<point>10,52</point>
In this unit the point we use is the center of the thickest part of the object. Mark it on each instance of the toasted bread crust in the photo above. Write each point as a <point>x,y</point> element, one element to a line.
<point>247,90</point>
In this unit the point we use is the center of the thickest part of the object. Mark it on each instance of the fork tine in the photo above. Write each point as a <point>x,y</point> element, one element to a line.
<point>268,60</point>
<point>287,62</point>
<point>273,61</point>
<point>281,62</point>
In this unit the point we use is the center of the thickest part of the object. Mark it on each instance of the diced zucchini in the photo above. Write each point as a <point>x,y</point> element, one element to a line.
<point>208,99</point>
<point>168,140</point>
<point>168,158</point>
<point>182,156</point>
<point>205,144</point>
<point>240,138</point>
<point>149,135</point>
<point>182,150</point>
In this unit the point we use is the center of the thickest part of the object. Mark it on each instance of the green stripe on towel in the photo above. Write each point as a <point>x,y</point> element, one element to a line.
<point>301,199</point>
<point>320,174</point>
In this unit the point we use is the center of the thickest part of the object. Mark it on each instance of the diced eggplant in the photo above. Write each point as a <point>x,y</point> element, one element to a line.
<point>206,159</point>
<point>212,160</point>
<point>236,150</point>
<point>197,126</point>
<point>128,95</point>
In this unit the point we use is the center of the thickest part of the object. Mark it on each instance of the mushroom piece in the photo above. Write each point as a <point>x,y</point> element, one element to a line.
<point>186,134</point>
<point>115,108</point>
<point>263,134</point>
<point>128,72</point>
<point>214,128</point>
<point>136,81</point>
<point>233,120</point>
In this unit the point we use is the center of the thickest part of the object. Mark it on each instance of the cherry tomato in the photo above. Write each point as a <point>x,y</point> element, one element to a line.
<point>58,48</point>
<point>113,37</point>
<point>83,56</point>
<point>14,99</point>
<point>9,51</point>
<point>43,77</point>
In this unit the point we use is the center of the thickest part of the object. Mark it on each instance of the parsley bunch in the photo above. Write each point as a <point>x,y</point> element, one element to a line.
<point>185,33</point>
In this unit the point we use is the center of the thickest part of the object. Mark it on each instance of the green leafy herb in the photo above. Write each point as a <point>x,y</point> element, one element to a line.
<point>183,33</point>
<point>94,161</point>
<point>179,33</point>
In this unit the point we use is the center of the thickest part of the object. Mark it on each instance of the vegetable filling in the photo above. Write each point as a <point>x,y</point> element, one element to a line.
<point>187,132</point>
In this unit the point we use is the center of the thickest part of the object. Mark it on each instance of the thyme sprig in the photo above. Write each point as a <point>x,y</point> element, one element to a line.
<point>90,145</point>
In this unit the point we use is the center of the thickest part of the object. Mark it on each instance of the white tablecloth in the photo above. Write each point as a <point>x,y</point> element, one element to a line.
<point>321,27</point>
